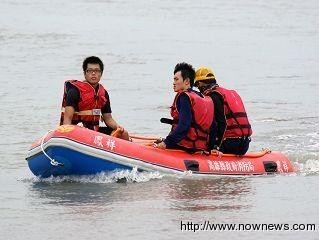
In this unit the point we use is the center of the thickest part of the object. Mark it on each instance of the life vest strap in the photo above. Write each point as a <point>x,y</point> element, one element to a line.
<point>91,112</point>
<point>236,115</point>
<point>239,126</point>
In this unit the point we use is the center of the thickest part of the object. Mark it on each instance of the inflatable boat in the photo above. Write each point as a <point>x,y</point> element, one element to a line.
<point>74,150</point>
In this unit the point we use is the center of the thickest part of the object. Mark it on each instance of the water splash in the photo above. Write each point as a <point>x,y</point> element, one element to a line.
<point>314,135</point>
<point>118,176</point>
<point>284,137</point>
<point>267,120</point>
<point>310,167</point>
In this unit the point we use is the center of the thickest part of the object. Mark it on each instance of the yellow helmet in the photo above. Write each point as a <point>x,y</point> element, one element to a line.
<point>204,73</point>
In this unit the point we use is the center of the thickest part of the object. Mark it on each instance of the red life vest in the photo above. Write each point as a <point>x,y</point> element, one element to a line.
<point>197,137</point>
<point>235,113</point>
<point>90,104</point>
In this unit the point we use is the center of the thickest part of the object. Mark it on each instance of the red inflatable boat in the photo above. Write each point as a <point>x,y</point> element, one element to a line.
<point>74,150</point>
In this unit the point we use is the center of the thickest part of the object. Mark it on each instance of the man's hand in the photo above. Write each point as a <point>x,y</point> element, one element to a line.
<point>160,145</point>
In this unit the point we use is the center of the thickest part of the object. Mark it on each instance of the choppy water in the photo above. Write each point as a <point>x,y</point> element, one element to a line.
<point>267,50</point>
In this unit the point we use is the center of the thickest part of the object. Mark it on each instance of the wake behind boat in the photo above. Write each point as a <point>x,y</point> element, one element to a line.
<point>74,150</point>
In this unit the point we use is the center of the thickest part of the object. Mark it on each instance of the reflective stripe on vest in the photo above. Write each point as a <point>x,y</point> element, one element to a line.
<point>95,112</point>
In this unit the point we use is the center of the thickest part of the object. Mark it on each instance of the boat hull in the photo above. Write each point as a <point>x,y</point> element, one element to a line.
<point>73,150</point>
<point>70,162</point>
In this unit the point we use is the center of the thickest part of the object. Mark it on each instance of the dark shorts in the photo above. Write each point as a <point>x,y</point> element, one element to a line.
<point>238,146</point>
<point>106,130</point>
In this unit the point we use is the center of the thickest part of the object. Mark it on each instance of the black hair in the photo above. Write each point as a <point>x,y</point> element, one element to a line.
<point>207,81</point>
<point>92,60</point>
<point>187,71</point>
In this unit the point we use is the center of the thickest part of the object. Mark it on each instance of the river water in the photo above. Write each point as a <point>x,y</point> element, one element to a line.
<point>267,50</point>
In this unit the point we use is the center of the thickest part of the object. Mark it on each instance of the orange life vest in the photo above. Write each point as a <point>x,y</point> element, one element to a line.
<point>235,113</point>
<point>197,137</point>
<point>90,104</point>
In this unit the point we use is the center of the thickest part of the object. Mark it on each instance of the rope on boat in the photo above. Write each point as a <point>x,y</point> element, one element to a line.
<point>52,161</point>
<point>263,152</point>
<point>117,132</point>
<point>145,138</point>
<point>150,141</point>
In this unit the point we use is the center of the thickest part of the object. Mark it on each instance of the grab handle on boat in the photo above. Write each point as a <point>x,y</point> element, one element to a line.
<point>52,161</point>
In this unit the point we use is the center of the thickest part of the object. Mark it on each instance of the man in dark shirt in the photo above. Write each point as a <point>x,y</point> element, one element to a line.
<point>73,98</point>
<point>236,142</point>
<point>220,121</point>
<point>182,83</point>
<point>92,69</point>
<point>185,119</point>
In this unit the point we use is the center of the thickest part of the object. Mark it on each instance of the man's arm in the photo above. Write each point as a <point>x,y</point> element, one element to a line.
<point>72,100</point>
<point>184,122</point>
<point>68,115</point>
<point>109,121</point>
<point>219,117</point>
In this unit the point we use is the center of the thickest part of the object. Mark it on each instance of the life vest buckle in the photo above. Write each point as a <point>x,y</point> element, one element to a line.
<point>96,112</point>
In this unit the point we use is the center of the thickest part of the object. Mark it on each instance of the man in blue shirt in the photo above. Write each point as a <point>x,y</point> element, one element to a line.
<point>191,111</point>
